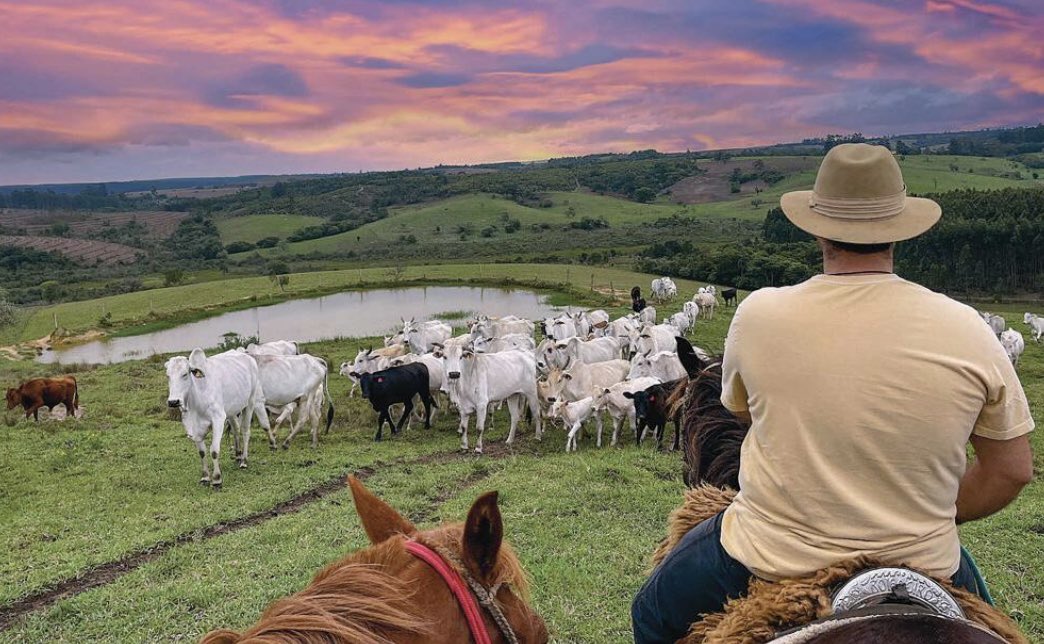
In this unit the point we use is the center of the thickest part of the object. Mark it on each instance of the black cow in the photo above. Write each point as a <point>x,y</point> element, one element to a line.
<point>397,385</point>
<point>651,410</point>
<point>729,295</point>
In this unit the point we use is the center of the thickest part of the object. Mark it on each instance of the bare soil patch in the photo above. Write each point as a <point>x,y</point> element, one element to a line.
<point>713,185</point>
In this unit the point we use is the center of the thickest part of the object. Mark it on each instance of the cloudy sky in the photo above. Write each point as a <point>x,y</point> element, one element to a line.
<point>122,89</point>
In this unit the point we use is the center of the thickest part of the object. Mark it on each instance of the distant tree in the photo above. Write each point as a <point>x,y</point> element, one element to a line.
<point>59,229</point>
<point>173,277</point>
<point>51,290</point>
<point>267,242</point>
<point>8,311</point>
<point>644,195</point>
<point>238,247</point>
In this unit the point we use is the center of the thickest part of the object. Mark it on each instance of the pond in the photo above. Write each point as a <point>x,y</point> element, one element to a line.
<point>351,314</point>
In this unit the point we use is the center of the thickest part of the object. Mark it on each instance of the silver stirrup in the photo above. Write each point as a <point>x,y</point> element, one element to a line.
<point>872,586</point>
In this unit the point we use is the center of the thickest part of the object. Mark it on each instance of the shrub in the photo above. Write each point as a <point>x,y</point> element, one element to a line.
<point>488,231</point>
<point>239,247</point>
<point>267,242</point>
<point>173,277</point>
<point>233,340</point>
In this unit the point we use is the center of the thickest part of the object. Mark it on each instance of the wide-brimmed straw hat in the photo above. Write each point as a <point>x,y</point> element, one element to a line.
<point>859,197</point>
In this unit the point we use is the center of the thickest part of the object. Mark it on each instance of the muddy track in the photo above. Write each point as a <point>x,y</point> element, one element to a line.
<point>109,572</point>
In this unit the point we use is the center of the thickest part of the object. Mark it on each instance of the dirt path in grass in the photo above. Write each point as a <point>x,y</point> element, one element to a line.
<point>107,573</point>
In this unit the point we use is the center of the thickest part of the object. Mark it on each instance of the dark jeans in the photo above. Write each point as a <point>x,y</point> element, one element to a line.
<point>697,577</point>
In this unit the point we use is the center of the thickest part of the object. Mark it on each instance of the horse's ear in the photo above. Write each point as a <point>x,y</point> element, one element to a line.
<point>379,519</point>
<point>483,533</point>
<point>688,357</point>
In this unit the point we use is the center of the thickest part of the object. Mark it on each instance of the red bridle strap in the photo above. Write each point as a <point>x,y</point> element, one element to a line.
<point>457,586</point>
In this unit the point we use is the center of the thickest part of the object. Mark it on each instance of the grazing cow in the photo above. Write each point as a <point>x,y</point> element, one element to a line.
<point>995,322</point>
<point>647,315</point>
<point>653,338</point>
<point>664,366</point>
<point>1036,325</point>
<point>370,360</point>
<point>210,391</point>
<point>664,289</point>
<point>575,349</point>
<point>691,309</point>
<point>296,381</point>
<point>44,392</point>
<point>422,337</point>
<point>612,400</point>
<point>1013,344</point>
<point>574,414</point>
<point>509,342</point>
<point>476,380</point>
<point>274,348</point>
<point>706,301</point>
<point>559,328</point>
<point>729,295</point>
<point>487,327</point>
<point>651,410</point>
<point>397,385</point>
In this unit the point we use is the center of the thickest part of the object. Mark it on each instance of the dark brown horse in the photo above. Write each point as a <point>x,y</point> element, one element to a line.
<point>712,439</point>
<point>387,594</point>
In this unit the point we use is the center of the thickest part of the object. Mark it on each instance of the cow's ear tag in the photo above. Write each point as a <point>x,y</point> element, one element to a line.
<point>197,373</point>
<point>652,398</point>
<point>381,379</point>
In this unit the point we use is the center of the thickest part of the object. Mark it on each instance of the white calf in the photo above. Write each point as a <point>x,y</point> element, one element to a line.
<point>573,415</point>
<point>1036,325</point>
<point>612,400</point>
<point>300,381</point>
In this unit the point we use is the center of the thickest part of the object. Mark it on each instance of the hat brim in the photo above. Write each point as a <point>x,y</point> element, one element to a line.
<point>917,216</point>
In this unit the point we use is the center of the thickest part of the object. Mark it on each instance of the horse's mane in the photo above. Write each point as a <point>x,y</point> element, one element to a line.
<point>711,435</point>
<point>362,599</point>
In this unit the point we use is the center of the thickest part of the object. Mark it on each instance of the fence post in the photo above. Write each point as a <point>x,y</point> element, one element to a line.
<point>592,281</point>
<point>56,320</point>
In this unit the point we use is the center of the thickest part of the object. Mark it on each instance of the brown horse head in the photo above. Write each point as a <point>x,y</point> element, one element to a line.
<point>711,435</point>
<point>385,594</point>
<point>14,398</point>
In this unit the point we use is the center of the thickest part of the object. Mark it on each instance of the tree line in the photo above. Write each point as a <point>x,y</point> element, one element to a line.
<point>987,242</point>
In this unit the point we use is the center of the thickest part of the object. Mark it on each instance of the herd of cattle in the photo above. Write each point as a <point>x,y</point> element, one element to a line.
<point>584,367</point>
<point>1012,341</point>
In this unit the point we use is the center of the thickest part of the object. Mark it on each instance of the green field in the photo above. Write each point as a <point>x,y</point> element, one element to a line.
<point>83,493</point>
<point>254,227</point>
<point>438,222</point>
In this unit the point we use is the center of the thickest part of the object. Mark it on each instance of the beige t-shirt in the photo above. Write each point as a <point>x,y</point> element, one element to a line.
<point>863,391</point>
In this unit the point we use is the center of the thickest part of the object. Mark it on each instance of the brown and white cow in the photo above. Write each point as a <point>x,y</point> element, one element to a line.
<point>44,392</point>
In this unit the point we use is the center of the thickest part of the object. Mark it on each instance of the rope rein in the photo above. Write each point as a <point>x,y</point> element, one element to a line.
<point>486,596</point>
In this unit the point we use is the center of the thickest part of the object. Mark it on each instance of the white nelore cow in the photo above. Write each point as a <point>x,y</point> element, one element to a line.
<point>298,381</point>
<point>996,322</point>
<point>559,328</point>
<point>579,379</point>
<point>596,322</point>
<point>612,400</point>
<point>274,348</point>
<point>573,415</point>
<point>692,309</point>
<point>1013,344</point>
<point>369,361</point>
<point>590,351</point>
<point>1036,325</point>
<point>663,365</point>
<point>476,380</point>
<point>706,301</point>
<point>647,315</point>
<point>211,391</point>
<point>487,327</point>
<point>655,337</point>
<point>508,342</point>
<point>680,321</point>
<point>422,336</point>
<point>623,328</point>
<point>664,289</point>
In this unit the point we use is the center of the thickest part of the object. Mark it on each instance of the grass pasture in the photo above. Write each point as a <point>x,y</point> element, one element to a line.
<point>251,228</point>
<point>122,482</point>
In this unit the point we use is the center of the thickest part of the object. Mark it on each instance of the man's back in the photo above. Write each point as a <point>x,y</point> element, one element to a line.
<point>863,390</point>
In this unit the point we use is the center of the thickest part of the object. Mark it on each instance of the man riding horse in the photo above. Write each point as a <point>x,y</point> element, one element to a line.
<point>862,391</point>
